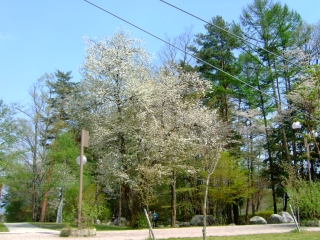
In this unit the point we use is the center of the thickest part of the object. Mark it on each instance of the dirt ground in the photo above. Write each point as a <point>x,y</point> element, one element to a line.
<point>29,232</point>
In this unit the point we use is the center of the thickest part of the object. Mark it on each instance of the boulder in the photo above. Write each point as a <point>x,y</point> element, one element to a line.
<point>311,223</point>
<point>257,220</point>
<point>184,224</point>
<point>169,222</point>
<point>122,223</point>
<point>197,220</point>
<point>287,217</point>
<point>83,232</point>
<point>276,218</point>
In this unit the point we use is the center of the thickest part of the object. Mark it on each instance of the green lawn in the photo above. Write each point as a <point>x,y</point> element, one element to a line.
<point>276,236</point>
<point>3,228</point>
<point>59,226</point>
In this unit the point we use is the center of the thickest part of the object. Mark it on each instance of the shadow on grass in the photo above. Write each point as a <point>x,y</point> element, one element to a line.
<point>60,226</point>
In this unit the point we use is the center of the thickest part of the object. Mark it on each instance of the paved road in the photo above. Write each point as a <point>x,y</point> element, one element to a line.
<point>25,231</point>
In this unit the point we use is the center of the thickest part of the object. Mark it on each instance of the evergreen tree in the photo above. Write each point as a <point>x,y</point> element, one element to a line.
<point>217,47</point>
<point>275,27</point>
<point>56,120</point>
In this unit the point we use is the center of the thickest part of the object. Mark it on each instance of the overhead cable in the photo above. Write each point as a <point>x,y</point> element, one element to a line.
<point>216,68</point>
<point>240,38</point>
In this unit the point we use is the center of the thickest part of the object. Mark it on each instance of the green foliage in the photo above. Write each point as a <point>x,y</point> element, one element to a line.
<point>217,48</point>
<point>59,226</point>
<point>276,236</point>
<point>265,214</point>
<point>142,221</point>
<point>3,228</point>
<point>94,206</point>
<point>9,134</point>
<point>141,132</point>
<point>310,223</point>
<point>230,180</point>
<point>17,211</point>
<point>17,200</point>
<point>66,149</point>
<point>93,212</point>
<point>69,215</point>
<point>47,225</point>
<point>305,195</point>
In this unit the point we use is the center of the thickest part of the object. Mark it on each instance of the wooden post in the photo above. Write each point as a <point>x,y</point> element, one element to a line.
<point>149,224</point>
<point>84,142</point>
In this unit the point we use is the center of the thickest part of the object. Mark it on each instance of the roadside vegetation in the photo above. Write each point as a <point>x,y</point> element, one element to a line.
<point>277,236</point>
<point>60,226</point>
<point>3,228</point>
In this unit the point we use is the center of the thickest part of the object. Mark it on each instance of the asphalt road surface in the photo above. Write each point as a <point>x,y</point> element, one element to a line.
<point>25,231</point>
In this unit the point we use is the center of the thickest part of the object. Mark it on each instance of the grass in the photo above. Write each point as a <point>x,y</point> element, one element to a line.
<point>275,236</point>
<point>3,228</point>
<point>52,226</point>
<point>60,226</point>
<point>304,235</point>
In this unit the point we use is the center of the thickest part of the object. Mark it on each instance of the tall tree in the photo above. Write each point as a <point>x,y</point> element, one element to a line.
<point>56,119</point>
<point>32,129</point>
<point>275,27</point>
<point>177,51</point>
<point>217,47</point>
<point>8,137</point>
<point>8,134</point>
<point>140,121</point>
<point>113,73</point>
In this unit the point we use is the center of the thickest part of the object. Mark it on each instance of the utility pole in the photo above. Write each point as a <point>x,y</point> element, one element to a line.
<point>84,142</point>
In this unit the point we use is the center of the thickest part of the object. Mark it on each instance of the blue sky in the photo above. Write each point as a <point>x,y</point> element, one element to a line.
<point>40,36</point>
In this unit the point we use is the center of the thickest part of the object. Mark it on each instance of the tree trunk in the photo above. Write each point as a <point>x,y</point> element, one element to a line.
<point>271,168</point>
<point>35,173</point>
<point>236,215</point>
<point>204,230</point>
<point>247,210</point>
<point>173,199</point>
<point>45,197</point>
<point>285,202</point>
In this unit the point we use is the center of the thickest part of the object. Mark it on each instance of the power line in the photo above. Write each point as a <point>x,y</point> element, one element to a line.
<point>216,68</point>
<point>240,38</point>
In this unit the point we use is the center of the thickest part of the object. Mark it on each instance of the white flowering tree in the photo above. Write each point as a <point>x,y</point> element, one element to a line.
<point>115,73</point>
<point>176,98</point>
<point>145,125</point>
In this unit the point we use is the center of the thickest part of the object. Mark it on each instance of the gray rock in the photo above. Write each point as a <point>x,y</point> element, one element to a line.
<point>311,223</point>
<point>197,220</point>
<point>276,218</point>
<point>287,217</point>
<point>169,222</point>
<point>123,221</point>
<point>257,220</point>
<point>184,224</point>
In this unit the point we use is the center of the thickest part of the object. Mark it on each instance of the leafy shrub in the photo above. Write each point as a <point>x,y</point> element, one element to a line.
<point>265,214</point>
<point>17,212</point>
